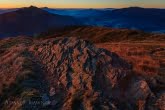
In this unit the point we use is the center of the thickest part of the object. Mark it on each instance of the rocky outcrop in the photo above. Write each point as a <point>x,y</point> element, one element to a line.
<point>69,74</point>
<point>76,69</point>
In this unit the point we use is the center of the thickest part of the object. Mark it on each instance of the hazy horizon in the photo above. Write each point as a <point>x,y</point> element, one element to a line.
<point>83,3</point>
<point>79,8</point>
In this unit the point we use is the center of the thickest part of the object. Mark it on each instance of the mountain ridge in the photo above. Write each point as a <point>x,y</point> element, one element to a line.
<point>145,19</point>
<point>102,34</point>
<point>31,20</point>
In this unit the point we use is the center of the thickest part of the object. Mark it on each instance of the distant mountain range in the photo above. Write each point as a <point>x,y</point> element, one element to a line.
<point>30,21</point>
<point>33,20</point>
<point>145,19</point>
<point>151,20</point>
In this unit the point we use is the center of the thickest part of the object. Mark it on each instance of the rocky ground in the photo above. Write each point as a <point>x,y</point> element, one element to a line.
<point>73,74</point>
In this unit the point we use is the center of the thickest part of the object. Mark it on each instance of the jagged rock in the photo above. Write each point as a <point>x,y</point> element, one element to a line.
<point>75,65</point>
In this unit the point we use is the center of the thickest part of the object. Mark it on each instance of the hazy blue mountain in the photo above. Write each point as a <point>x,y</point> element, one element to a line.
<point>146,19</point>
<point>79,13</point>
<point>150,19</point>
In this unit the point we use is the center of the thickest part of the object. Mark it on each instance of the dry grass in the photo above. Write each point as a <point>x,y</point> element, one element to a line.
<point>101,35</point>
<point>147,58</point>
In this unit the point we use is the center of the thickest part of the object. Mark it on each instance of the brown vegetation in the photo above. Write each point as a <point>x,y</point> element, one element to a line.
<point>102,34</point>
<point>145,57</point>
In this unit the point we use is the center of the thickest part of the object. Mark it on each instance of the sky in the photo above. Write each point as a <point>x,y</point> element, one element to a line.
<point>82,3</point>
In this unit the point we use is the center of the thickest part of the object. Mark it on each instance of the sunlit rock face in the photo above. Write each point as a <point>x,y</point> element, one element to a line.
<point>68,74</point>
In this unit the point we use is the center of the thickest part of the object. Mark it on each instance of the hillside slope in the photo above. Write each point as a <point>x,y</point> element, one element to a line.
<point>146,19</point>
<point>69,74</point>
<point>30,21</point>
<point>102,35</point>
